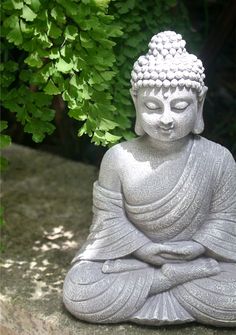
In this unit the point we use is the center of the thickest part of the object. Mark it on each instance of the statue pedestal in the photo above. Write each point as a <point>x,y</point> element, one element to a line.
<point>47,202</point>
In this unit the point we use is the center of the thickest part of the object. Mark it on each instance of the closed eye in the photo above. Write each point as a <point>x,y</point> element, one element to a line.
<point>152,105</point>
<point>181,105</point>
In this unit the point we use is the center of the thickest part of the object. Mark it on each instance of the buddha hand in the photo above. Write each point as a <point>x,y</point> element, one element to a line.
<point>151,253</point>
<point>182,250</point>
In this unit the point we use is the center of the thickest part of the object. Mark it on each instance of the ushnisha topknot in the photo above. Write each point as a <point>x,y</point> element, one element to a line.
<point>168,64</point>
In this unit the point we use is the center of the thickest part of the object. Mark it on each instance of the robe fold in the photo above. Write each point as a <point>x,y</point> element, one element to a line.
<point>201,207</point>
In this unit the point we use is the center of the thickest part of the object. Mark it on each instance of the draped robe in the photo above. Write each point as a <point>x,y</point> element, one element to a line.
<point>201,207</point>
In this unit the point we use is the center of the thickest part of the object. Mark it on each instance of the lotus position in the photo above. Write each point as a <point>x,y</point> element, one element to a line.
<point>162,246</point>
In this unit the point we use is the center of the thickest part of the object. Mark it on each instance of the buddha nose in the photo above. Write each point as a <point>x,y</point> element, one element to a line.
<point>166,121</point>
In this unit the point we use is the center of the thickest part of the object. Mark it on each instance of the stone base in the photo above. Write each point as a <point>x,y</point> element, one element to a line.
<point>47,202</point>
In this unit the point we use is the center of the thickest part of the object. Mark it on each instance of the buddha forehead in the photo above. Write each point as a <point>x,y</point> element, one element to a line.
<point>167,94</point>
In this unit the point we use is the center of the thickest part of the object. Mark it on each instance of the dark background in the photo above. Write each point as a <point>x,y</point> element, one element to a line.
<point>214,20</point>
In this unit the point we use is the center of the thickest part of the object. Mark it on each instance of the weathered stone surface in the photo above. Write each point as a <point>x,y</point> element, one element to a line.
<point>47,202</point>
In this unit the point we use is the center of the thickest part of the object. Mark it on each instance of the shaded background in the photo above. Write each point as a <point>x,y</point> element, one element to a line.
<point>214,20</point>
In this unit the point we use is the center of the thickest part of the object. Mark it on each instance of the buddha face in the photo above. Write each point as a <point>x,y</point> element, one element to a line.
<point>167,114</point>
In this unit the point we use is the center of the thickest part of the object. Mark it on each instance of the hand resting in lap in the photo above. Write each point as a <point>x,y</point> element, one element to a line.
<point>171,252</point>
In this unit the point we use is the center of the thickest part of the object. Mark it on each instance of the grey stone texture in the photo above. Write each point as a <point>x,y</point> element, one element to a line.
<point>47,202</point>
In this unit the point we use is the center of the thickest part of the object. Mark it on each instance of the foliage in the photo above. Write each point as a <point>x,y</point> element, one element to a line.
<point>5,141</point>
<point>66,47</point>
<point>63,47</point>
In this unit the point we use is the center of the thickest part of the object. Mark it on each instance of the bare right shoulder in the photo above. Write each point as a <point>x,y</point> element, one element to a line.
<point>109,175</point>
<point>114,164</point>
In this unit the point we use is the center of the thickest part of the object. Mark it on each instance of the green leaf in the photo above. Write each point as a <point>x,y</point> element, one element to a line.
<point>85,93</point>
<point>106,43</point>
<point>78,113</point>
<point>38,129</point>
<point>86,41</point>
<point>35,4</point>
<point>45,72</point>
<point>51,88</point>
<point>44,41</point>
<point>25,28</point>
<point>82,130</point>
<point>54,31</point>
<point>11,21</point>
<point>28,14</point>
<point>106,124</point>
<point>67,97</point>
<point>76,82</point>
<point>107,75</point>
<point>14,35</point>
<point>115,31</point>
<point>70,6</point>
<point>112,138</point>
<point>71,32</point>
<point>58,14</point>
<point>54,53</point>
<point>102,4</point>
<point>13,4</point>
<point>34,60</point>
<point>5,140</point>
<point>99,138</point>
<point>62,66</point>
<point>45,114</point>
<point>41,100</point>
<point>3,125</point>
<point>125,7</point>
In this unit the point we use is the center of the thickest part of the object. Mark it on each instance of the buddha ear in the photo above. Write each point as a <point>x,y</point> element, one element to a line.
<point>199,123</point>
<point>137,128</point>
<point>133,94</point>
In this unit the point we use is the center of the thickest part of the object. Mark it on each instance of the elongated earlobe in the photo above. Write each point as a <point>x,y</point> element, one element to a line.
<point>198,126</point>
<point>199,123</point>
<point>138,128</point>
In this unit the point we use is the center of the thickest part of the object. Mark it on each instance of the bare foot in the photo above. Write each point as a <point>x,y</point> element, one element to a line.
<point>183,272</point>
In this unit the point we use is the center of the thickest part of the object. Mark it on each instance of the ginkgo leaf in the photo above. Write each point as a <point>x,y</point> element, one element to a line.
<point>51,88</point>
<point>106,124</point>
<point>28,14</point>
<point>15,35</point>
<point>34,60</point>
<point>63,66</point>
<point>71,32</point>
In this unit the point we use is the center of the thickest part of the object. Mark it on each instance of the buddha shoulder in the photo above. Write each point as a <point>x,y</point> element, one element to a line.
<point>114,163</point>
<point>216,151</point>
<point>120,154</point>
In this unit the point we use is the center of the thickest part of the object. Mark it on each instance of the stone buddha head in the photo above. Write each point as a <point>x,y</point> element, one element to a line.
<point>168,89</point>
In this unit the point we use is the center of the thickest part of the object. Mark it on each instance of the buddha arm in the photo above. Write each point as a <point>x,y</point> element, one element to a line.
<point>112,235</point>
<point>218,233</point>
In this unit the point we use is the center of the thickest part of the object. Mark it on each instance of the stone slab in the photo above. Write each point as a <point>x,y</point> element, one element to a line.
<point>47,202</point>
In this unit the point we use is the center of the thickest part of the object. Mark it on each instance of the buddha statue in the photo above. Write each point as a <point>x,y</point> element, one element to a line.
<point>162,245</point>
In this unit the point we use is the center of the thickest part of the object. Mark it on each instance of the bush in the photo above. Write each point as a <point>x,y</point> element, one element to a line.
<point>81,51</point>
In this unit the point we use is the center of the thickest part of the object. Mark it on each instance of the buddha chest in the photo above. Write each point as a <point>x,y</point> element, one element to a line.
<point>144,182</point>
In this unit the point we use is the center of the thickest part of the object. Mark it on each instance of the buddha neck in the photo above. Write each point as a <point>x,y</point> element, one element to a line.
<point>166,148</point>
